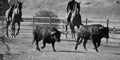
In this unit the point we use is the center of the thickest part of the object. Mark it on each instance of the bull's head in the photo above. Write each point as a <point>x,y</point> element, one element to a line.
<point>105,32</point>
<point>56,35</point>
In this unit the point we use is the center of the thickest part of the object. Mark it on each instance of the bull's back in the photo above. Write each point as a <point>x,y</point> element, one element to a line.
<point>87,30</point>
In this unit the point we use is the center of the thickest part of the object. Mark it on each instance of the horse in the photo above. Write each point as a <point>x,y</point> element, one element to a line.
<point>16,18</point>
<point>8,15</point>
<point>74,21</point>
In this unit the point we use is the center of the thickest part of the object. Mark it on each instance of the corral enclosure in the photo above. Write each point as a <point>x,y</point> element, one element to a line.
<point>21,46</point>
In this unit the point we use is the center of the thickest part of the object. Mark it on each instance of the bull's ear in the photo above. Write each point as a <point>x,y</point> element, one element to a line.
<point>53,32</point>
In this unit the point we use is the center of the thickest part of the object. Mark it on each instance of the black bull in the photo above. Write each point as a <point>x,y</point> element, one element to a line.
<point>47,34</point>
<point>93,32</point>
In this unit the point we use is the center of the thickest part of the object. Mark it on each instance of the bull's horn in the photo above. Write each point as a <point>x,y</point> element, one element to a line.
<point>101,27</point>
<point>53,32</point>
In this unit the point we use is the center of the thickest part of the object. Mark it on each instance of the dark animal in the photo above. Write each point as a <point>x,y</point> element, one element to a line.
<point>47,34</point>
<point>16,18</point>
<point>75,20</point>
<point>93,32</point>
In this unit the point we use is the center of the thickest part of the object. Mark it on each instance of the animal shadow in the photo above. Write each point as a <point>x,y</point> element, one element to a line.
<point>71,51</point>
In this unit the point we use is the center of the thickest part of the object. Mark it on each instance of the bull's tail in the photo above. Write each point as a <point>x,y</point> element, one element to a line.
<point>33,41</point>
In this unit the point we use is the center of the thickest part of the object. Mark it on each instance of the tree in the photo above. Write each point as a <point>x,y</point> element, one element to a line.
<point>46,13</point>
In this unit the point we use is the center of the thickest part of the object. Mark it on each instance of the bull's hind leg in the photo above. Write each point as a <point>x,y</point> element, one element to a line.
<point>53,46</point>
<point>84,43</point>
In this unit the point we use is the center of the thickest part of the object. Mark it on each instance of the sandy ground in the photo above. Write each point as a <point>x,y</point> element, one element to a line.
<point>22,49</point>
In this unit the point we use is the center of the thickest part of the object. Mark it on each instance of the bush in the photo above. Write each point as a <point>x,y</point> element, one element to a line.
<point>46,13</point>
<point>3,7</point>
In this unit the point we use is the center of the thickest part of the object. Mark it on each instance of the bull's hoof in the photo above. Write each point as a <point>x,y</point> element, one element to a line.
<point>42,47</point>
<point>38,49</point>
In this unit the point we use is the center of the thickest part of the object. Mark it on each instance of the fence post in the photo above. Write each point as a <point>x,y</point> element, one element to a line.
<point>86,21</point>
<point>33,22</point>
<point>107,23</point>
<point>108,30</point>
<point>50,21</point>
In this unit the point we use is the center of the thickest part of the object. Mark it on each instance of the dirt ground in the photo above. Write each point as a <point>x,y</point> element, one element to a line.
<point>21,48</point>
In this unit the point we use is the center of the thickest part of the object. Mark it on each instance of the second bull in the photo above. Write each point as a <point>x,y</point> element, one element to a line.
<point>93,32</point>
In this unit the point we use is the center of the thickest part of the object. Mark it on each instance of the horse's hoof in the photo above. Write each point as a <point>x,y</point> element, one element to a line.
<point>86,49</point>
<point>76,48</point>
<point>54,50</point>
<point>96,49</point>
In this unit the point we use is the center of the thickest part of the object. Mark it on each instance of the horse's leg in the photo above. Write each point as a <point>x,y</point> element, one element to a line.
<point>8,23</point>
<point>13,29</point>
<point>66,29</point>
<point>74,34</point>
<point>18,28</point>
<point>68,22</point>
<point>73,31</point>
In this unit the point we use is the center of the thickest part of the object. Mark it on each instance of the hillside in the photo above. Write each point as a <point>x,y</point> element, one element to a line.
<point>89,8</point>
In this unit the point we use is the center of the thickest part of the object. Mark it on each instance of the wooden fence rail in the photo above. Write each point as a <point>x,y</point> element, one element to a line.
<point>32,21</point>
<point>57,21</point>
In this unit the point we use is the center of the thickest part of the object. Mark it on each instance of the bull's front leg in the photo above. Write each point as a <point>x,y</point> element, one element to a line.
<point>53,46</point>
<point>78,42</point>
<point>37,44</point>
<point>44,45</point>
<point>95,45</point>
